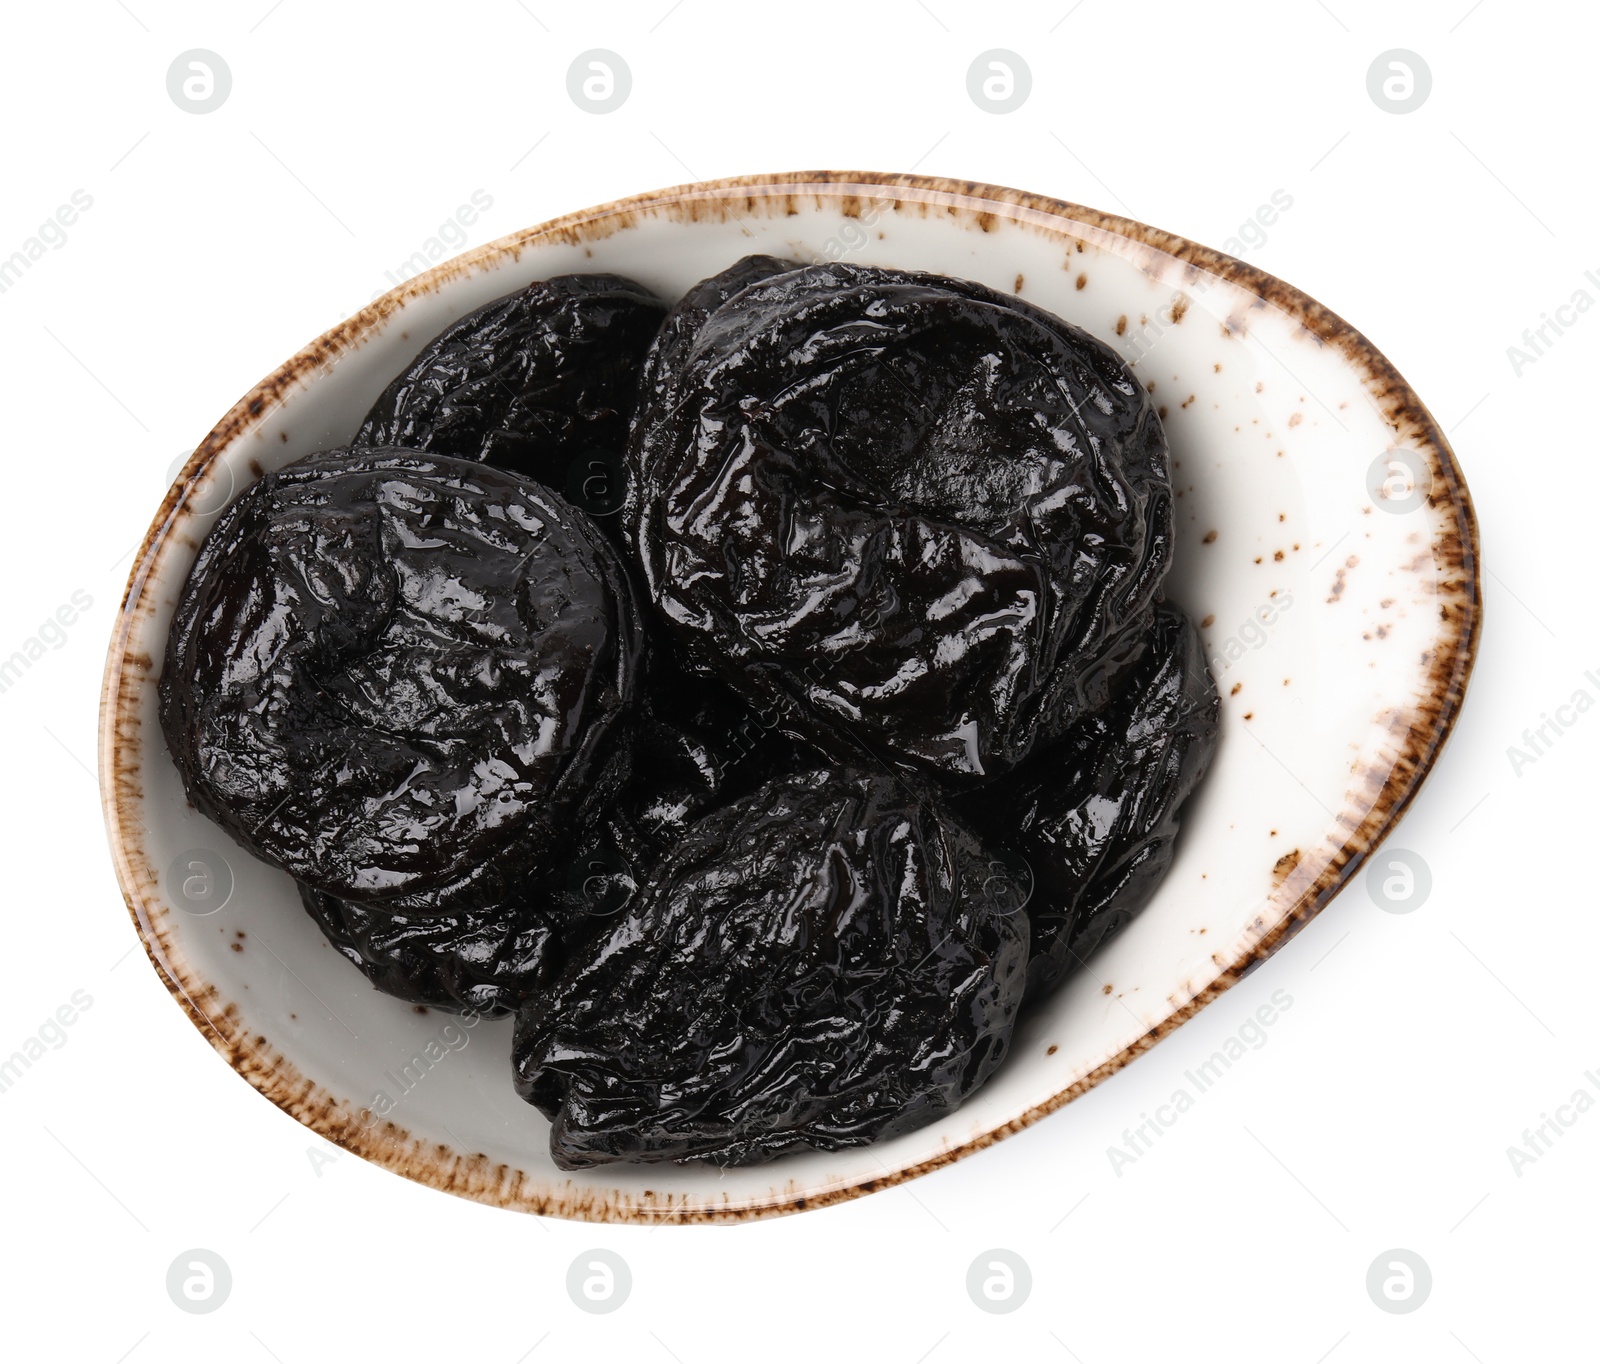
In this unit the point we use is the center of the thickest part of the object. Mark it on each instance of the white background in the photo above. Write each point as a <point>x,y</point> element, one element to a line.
<point>1380,1110</point>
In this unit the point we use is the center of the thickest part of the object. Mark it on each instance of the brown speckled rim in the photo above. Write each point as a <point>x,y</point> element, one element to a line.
<point>1302,893</point>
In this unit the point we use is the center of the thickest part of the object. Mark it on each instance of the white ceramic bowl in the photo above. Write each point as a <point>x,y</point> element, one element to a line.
<point>1326,543</point>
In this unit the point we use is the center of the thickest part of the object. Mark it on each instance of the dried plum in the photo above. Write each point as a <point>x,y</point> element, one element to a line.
<point>751,874</point>
<point>829,960</point>
<point>677,763</point>
<point>1095,816</point>
<point>484,945</point>
<point>484,960</point>
<point>693,745</point>
<point>541,382</point>
<point>389,671</point>
<point>920,516</point>
<point>667,356</point>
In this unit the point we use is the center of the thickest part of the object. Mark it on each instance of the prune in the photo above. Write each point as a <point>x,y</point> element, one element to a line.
<point>531,383</point>
<point>687,747</point>
<point>1095,815</point>
<point>459,958</point>
<point>922,517</point>
<point>826,961</point>
<point>907,735</point>
<point>666,358</point>
<point>487,940</point>
<point>693,745</point>
<point>483,945</point>
<point>391,671</point>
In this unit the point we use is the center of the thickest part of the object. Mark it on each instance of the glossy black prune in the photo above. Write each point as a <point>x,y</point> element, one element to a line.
<point>461,959</point>
<point>485,945</point>
<point>538,382</point>
<point>666,359</point>
<point>689,747</point>
<point>918,515</point>
<point>391,671</point>
<point>1095,815</point>
<point>826,961</point>
<point>751,875</point>
<point>693,745</point>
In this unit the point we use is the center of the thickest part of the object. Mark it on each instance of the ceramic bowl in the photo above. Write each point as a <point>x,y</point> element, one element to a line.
<point>1326,544</point>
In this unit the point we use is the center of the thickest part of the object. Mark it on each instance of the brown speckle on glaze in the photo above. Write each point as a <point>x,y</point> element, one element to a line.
<point>1209,538</point>
<point>1081,282</point>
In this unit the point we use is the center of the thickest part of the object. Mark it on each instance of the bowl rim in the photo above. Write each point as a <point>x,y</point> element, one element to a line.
<point>1455,552</point>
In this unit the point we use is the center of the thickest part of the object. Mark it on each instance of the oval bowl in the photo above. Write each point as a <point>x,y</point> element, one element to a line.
<point>1327,545</point>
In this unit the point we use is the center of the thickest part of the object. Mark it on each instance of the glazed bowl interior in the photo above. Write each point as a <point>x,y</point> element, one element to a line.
<point>1326,543</point>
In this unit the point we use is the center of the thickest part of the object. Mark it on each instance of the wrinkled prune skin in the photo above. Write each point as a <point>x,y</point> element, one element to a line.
<point>530,382</point>
<point>484,945</point>
<point>486,941</point>
<point>923,517</point>
<point>693,744</point>
<point>483,960</point>
<point>829,960</point>
<point>389,672</point>
<point>1095,816</point>
<point>667,355</point>
<point>689,746</point>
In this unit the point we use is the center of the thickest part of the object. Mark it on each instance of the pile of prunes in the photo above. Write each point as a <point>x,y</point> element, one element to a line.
<point>766,700</point>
